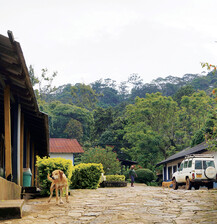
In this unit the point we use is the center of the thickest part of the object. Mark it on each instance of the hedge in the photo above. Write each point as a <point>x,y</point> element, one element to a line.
<point>144,176</point>
<point>115,178</point>
<point>48,165</point>
<point>86,176</point>
<point>114,181</point>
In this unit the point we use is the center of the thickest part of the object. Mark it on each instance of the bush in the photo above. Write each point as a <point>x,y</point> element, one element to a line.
<point>48,165</point>
<point>86,176</point>
<point>114,181</point>
<point>115,178</point>
<point>126,174</point>
<point>144,176</point>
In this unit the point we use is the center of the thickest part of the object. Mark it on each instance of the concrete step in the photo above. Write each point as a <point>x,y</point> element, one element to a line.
<point>11,209</point>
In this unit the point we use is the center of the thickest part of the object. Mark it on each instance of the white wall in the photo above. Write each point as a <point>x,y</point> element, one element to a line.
<point>63,156</point>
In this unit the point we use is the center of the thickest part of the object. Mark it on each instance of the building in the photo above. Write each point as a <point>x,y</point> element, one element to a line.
<point>64,148</point>
<point>171,164</point>
<point>24,131</point>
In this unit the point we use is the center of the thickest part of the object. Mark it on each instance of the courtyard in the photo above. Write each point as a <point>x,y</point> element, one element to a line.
<point>139,204</point>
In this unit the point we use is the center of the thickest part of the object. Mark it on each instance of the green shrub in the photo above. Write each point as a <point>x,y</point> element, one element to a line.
<point>144,176</point>
<point>114,181</point>
<point>115,178</point>
<point>126,174</point>
<point>106,157</point>
<point>48,165</point>
<point>86,176</point>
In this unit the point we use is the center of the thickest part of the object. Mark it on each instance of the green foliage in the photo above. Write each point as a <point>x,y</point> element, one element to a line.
<point>115,178</point>
<point>48,165</point>
<point>62,115</point>
<point>105,156</point>
<point>74,129</point>
<point>103,118</point>
<point>146,129</point>
<point>44,83</point>
<point>198,137</point>
<point>107,138</point>
<point>86,176</point>
<point>150,128</point>
<point>84,96</point>
<point>183,91</point>
<point>144,176</point>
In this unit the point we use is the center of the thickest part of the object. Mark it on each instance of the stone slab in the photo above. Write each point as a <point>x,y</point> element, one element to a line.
<point>10,209</point>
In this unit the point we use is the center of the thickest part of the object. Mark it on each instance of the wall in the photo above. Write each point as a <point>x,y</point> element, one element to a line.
<point>171,164</point>
<point>9,190</point>
<point>63,155</point>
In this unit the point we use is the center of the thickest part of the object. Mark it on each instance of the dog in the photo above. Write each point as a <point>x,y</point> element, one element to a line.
<point>167,184</point>
<point>58,182</point>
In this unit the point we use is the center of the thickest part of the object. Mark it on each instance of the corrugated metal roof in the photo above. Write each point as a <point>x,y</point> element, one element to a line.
<point>196,149</point>
<point>64,145</point>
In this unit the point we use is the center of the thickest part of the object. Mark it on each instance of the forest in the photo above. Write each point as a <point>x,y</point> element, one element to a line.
<point>143,122</point>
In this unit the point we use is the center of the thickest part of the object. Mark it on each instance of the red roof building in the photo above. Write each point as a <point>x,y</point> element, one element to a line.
<point>64,148</point>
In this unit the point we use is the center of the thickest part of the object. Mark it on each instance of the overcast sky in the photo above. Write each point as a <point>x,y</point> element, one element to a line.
<point>88,40</point>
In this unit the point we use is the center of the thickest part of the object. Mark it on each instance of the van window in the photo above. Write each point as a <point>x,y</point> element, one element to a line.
<point>185,164</point>
<point>208,163</point>
<point>181,167</point>
<point>189,163</point>
<point>198,164</point>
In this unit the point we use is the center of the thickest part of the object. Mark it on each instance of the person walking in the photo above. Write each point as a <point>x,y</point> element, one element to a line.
<point>132,174</point>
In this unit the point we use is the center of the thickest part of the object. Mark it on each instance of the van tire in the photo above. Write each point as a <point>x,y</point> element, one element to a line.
<point>175,184</point>
<point>188,184</point>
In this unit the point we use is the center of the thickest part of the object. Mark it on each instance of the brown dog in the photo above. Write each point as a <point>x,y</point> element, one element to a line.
<point>59,181</point>
<point>166,184</point>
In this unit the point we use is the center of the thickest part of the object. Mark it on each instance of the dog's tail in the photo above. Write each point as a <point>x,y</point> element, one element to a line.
<point>49,178</point>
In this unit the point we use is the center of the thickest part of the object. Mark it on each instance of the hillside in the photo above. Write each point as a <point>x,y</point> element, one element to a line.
<point>111,94</point>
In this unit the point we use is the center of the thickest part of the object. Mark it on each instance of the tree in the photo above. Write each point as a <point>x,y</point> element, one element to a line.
<point>183,91</point>
<point>194,111</point>
<point>84,96</point>
<point>33,78</point>
<point>151,126</point>
<point>44,82</point>
<point>123,90</point>
<point>105,156</point>
<point>103,118</point>
<point>63,113</point>
<point>74,129</point>
<point>135,80</point>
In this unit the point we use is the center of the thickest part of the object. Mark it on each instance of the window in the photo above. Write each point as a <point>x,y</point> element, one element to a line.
<point>208,163</point>
<point>174,169</point>
<point>169,172</point>
<point>198,164</point>
<point>181,167</point>
<point>189,163</point>
<point>185,164</point>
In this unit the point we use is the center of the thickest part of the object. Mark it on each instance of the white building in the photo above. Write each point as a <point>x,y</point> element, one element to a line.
<point>64,148</point>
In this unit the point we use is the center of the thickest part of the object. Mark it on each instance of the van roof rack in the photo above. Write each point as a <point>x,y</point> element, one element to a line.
<point>199,156</point>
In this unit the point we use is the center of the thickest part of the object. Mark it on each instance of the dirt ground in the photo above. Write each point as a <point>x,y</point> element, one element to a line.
<point>139,204</point>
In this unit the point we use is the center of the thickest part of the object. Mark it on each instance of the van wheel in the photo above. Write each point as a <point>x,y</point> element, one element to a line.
<point>175,184</point>
<point>196,186</point>
<point>210,185</point>
<point>188,184</point>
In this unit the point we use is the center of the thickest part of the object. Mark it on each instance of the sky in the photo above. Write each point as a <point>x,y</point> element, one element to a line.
<point>88,40</point>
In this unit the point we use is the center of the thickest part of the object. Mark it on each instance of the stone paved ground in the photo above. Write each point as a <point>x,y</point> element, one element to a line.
<point>139,205</point>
